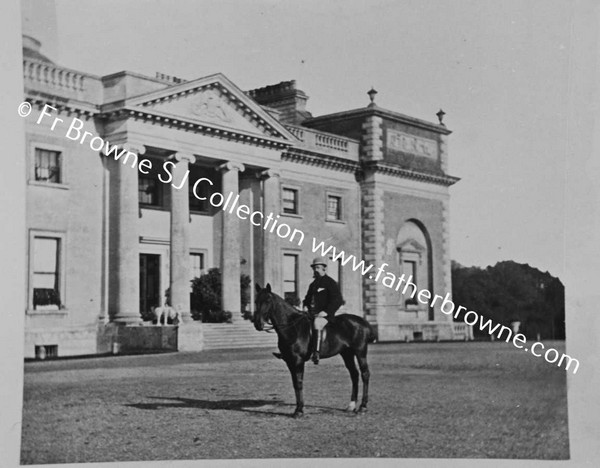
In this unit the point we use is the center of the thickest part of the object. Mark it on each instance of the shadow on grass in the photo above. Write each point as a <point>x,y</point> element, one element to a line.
<point>273,407</point>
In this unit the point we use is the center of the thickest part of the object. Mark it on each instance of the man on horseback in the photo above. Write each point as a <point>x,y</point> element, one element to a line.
<point>322,300</point>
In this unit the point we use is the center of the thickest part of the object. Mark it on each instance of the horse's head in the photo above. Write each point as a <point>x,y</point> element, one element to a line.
<point>264,303</point>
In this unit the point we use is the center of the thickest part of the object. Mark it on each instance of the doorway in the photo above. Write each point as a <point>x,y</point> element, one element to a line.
<point>149,284</point>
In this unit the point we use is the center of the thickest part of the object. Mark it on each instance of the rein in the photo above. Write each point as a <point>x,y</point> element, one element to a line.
<point>293,322</point>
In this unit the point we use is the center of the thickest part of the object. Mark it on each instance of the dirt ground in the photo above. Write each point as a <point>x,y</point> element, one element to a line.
<point>465,400</point>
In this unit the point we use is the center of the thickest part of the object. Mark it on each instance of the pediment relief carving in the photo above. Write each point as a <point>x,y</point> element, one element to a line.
<point>209,105</point>
<point>214,103</point>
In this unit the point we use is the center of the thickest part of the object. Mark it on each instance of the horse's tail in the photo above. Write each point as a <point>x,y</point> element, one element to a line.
<point>372,336</point>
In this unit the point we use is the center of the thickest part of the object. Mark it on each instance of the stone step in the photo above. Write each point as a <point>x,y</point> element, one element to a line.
<point>233,337</point>
<point>236,335</point>
<point>225,344</point>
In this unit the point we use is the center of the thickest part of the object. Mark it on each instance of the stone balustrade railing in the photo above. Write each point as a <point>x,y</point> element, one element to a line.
<point>51,75</point>
<point>325,142</point>
<point>462,330</point>
<point>61,81</point>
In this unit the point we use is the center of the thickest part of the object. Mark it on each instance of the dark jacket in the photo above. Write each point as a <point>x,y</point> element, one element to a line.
<point>324,294</point>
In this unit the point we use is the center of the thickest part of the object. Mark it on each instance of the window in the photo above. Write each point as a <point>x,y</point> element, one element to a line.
<point>149,188</point>
<point>48,166</point>
<point>46,273</point>
<point>335,271</point>
<point>290,201</point>
<point>290,278</point>
<point>334,208</point>
<point>203,189</point>
<point>409,269</point>
<point>196,265</point>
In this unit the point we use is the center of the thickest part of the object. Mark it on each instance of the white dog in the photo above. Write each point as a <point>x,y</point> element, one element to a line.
<point>163,313</point>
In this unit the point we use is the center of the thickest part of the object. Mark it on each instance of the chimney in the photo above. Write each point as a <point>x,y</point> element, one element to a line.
<point>286,99</point>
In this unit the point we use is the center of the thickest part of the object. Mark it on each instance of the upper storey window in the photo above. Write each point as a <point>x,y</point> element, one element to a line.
<point>290,201</point>
<point>334,208</point>
<point>48,166</point>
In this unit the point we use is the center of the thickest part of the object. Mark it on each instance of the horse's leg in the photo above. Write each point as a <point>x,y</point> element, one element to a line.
<point>348,356</point>
<point>365,374</point>
<point>297,371</point>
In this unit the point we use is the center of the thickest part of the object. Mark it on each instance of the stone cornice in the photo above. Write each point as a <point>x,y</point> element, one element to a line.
<point>388,169</point>
<point>301,156</point>
<point>213,130</point>
<point>61,104</point>
<point>380,112</point>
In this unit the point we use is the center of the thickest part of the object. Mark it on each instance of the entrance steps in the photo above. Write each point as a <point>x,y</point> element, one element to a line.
<point>239,334</point>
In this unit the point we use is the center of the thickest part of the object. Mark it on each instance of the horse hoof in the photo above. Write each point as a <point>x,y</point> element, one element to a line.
<point>351,406</point>
<point>297,414</point>
<point>362,409</point>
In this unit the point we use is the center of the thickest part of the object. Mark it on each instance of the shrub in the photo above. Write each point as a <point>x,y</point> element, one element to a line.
<point>206,297</point>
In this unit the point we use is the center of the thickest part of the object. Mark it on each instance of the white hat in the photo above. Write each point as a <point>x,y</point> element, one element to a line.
<point>319,261</point>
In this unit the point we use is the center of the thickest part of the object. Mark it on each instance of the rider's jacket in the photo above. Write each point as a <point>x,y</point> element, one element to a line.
<point>323,295</point>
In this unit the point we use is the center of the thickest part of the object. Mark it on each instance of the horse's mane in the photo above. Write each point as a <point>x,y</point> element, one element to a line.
<point>287,307</point>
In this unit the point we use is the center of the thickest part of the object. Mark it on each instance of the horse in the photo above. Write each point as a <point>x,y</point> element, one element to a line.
<point>346,334</point>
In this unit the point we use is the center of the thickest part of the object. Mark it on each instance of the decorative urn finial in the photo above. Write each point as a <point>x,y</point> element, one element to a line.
<point>372,94</point>
<point>440,115</point>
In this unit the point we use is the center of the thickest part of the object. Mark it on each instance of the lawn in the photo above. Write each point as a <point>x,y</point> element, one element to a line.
<point>465,400</point>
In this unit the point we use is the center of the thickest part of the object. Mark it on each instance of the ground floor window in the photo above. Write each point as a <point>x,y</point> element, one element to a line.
<point>196,265</point>
<point>46,273</point>
<point>335,271</point>
<point>409,268</point>
<point>290,278</point>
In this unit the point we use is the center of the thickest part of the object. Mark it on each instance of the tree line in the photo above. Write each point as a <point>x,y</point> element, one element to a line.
<point>511,292</point>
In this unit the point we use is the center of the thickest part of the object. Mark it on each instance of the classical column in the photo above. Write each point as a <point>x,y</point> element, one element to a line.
<point>124,245</point>
<point>180,286</point>
<point>271,247</point>
<point>230,246</point>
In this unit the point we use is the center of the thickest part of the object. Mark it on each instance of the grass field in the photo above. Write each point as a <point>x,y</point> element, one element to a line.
<point>466,400</point>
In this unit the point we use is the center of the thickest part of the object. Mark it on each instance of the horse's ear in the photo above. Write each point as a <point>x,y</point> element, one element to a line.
<point>258,288</point>
<point>268,287</point>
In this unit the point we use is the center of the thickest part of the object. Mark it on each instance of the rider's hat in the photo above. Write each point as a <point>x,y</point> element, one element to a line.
<point>319,261</point>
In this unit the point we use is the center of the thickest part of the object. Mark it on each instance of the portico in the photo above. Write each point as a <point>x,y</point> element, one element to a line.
<point>207,125</point>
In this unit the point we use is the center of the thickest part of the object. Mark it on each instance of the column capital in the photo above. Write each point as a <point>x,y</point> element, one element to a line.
<point>268,173</point>
<point>231,166</point>
<point>134,147</point>
<point>181,156</point>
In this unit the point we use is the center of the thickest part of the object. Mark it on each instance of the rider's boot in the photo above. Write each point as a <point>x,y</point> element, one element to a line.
<point>315,356</point>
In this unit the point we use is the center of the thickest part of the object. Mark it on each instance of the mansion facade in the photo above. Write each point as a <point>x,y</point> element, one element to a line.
<point>106,241</point>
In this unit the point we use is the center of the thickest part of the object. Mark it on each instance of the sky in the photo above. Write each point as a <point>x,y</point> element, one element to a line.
<point>499,69</point>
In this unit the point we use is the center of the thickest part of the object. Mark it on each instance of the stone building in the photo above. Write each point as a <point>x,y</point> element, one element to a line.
<point>105,239</point>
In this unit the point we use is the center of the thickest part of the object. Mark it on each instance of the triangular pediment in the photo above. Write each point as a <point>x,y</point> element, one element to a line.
<point>213,102</point>
<point>411,245</point>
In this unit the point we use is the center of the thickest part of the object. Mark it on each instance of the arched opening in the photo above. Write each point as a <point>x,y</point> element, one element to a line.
<point>414,256</point>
